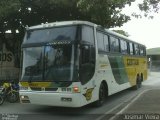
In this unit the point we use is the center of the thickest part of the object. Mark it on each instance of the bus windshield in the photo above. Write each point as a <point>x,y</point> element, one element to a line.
<point>51,34</point>
<point>54,61</point>
<point>49,63</point>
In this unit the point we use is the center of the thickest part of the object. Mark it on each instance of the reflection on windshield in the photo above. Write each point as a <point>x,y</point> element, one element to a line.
<point>58,63</point>
<point>48,63</point>
<point>33,63</point>
<point>51,34</point>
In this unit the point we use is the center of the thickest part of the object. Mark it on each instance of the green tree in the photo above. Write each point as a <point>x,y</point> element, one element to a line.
<point>105,12</point>
<point>31,12</point>
<point>148,8</point>
<point>8,7</point>
<point>122,32</point>
<point>14,14</point>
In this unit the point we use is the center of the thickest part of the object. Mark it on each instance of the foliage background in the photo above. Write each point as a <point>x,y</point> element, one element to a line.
<point>16,14</point>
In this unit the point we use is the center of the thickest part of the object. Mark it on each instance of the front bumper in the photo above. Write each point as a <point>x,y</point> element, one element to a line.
<point>51,98</point>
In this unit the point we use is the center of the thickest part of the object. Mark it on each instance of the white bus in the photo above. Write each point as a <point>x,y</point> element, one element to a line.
<point>75,63</point>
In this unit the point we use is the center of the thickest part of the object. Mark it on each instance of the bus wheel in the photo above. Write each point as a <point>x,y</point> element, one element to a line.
<point>102,96</point>
<point>138,83</point>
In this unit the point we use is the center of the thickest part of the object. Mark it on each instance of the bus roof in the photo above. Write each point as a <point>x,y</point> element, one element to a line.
<point>62,23</point>
<point>76,22</point>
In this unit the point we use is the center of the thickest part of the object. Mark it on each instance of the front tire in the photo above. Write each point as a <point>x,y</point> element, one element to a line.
<point>102,96</point>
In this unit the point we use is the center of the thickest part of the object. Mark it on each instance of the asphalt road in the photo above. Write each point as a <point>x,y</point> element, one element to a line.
<point>113,105</point>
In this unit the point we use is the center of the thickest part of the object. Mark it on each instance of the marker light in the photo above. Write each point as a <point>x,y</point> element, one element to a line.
<point>75,89</point>
<point>66,89</point>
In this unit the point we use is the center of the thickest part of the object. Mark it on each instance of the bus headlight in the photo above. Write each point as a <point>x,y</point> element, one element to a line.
<point>76,89</point>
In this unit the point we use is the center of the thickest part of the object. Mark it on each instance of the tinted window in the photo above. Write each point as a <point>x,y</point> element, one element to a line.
<point>136,48</point>
<point>49,63</point>
<point>87,55</point>
<point>88,34</point>
<point>100,42</point>
<point>51,34</point>
<point>114,44</point>
<point>131,48</point>
<point>123,46</point>
<point>106,45</point>
<point>142,50</point>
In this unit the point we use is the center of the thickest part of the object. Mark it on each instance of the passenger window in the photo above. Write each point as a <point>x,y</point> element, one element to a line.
<point>114,44</point>
<point>106,45</point>
<point>136,48</point>
<point>131,48</point>
<point>100,42</point>
<point>123,46</point>
<point>142,50</point>
<point>88,34</point>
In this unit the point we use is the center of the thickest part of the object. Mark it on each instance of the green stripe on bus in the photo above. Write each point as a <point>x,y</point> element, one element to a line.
<point>118,69</point>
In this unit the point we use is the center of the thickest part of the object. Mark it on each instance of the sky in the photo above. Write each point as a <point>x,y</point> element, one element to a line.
<point>144,30</point>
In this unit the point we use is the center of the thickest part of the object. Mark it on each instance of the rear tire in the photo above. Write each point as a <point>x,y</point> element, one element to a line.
<point>138,83</point>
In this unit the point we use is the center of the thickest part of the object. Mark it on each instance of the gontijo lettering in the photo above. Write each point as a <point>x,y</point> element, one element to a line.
<point>132,62</point>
